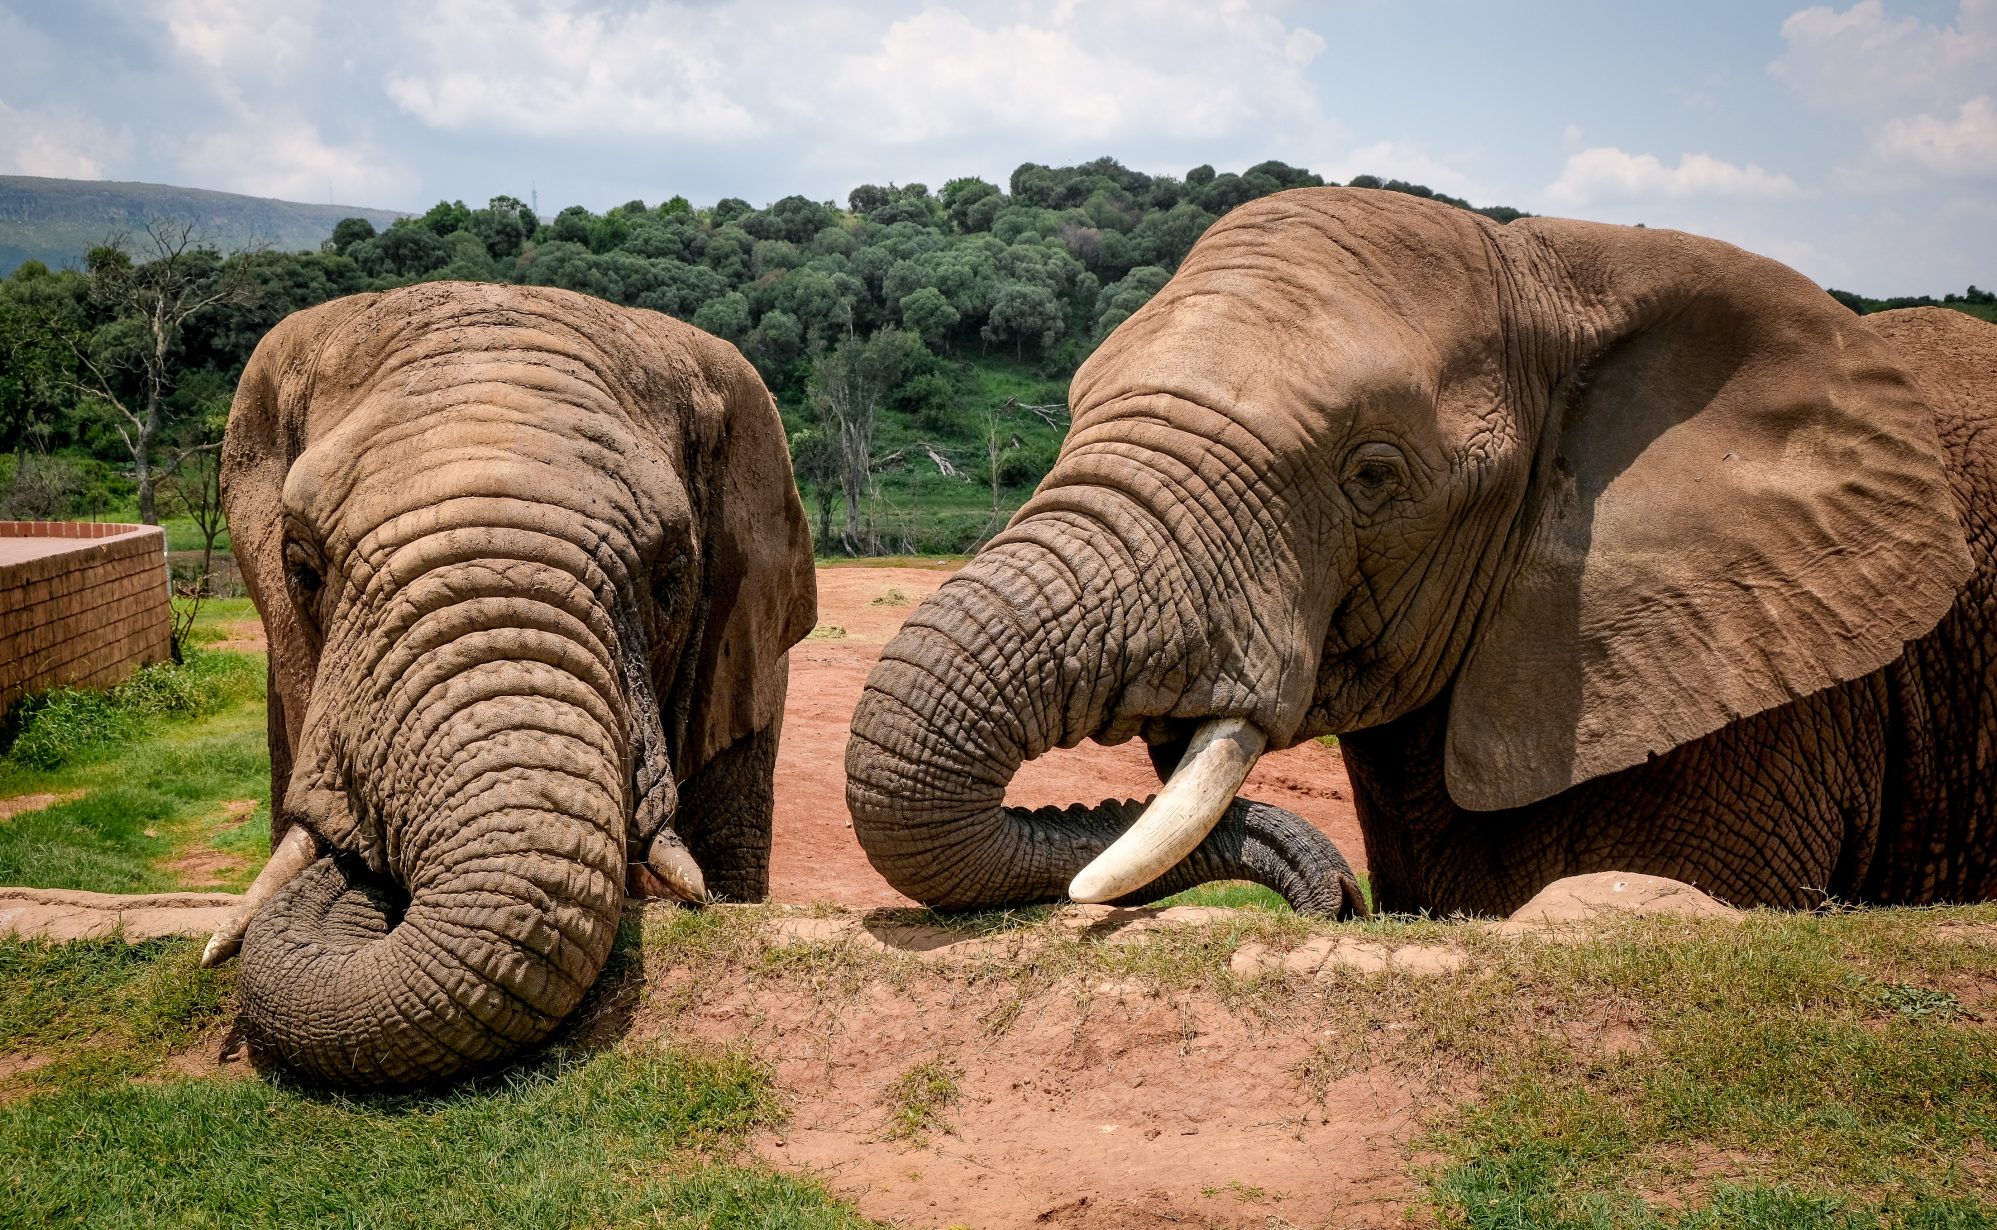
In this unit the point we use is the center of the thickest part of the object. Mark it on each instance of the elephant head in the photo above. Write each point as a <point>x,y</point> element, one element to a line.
<point>1600,490</point>
<point>529,564</point>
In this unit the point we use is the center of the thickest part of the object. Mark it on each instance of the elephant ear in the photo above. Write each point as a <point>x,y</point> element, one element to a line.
<point>266,433</point>
<point>759,593</point>
<point>1738,500</point>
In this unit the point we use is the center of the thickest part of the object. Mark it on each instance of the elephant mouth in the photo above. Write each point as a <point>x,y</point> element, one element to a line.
<point>1192,801</point>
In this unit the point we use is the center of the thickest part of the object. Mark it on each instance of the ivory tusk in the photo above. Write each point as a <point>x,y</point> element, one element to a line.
<point>298,850</point>
<point>672,862</point>
<point>1188,806</point>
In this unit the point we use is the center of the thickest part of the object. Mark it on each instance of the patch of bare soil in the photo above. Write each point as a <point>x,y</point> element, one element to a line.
<point>205,867</point>
<point>9,808</point>
<point>1097,1105</point>
<point>202,865</point>
<point>218,1054</point>
<point>13,1068</point>
<point>242,636</point>
<point>816,858</point>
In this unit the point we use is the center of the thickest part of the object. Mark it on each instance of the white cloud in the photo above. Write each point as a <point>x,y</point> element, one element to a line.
<point>1605,173</point>
<point>55,142</point>
<point>241,35</point>
<point>1962,148</point>
<point>1064,71</point>
<point>1856,58</point>
<point>288,159</point>
<point>556,68</point>
<point>1077,74</point>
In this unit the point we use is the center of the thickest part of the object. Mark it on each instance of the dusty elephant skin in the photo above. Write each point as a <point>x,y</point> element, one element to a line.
<point>529,565</point>
<point>1600,547</point>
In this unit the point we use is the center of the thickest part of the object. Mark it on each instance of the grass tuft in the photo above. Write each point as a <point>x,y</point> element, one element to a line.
<point>918,1098</point>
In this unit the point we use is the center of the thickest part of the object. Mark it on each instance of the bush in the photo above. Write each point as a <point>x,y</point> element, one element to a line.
<point>58,726</point>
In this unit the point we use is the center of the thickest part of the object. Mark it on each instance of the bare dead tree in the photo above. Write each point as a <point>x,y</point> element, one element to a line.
<point>1001,441</point>
<point>155,284</point>
<point>193,483</point>
<point>845,394</point>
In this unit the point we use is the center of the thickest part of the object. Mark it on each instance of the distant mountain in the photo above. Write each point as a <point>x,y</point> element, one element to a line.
<point>56,221</point>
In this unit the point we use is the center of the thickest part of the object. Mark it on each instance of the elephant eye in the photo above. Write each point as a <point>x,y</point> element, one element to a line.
<point>1374,474</point>
<point>301,572</point>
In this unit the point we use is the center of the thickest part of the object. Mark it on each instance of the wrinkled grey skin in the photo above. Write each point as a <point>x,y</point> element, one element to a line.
<point>1601,548</point>
<point>529,564</point>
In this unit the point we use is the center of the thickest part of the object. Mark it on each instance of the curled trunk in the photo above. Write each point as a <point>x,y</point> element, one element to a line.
<point>476,891</point>
<point>354,981</point>
<point>1014,656</point>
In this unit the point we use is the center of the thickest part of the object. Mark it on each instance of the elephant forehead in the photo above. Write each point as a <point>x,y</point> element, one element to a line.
<point>1288,380</point>
<point>393,454</point>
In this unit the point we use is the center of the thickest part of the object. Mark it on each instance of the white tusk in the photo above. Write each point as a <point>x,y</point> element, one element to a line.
<point>298,850</point>
<point>672,862</point>
<point>1185,811</point>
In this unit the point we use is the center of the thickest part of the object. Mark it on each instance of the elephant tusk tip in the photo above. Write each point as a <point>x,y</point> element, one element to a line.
<point>221,946</point>
<point>1092,886</point>
<point>671,861</point>
<point>1189,805</point>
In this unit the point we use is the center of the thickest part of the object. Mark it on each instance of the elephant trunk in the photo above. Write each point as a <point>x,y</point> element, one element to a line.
<point>1015,655</point>
<point>479,810</point>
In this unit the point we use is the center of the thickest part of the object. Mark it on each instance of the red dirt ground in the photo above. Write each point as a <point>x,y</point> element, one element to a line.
<point>1096,1108</point>
<point>816,858</point>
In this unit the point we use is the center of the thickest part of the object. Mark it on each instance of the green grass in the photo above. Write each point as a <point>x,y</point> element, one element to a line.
<point>104,1010</point>
<point>1242,895</point>
<point>917,1100</point>
<point>143,774</point>
<point>1827,1064</point>
<point>212,622</point>
<point>938,562</point>
<point>643,1133</point>
<point>1231,894</point>
<point>182,534</point>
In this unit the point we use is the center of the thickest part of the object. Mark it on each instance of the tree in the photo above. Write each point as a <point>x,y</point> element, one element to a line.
<point>503,226</point>
<point>195,486</point>
<point>961,196</point>
<point>1024,311</point>
<point>1002,442</point>
<point>928,315</point>
<point>349,231</point>
<point>815,460</point>
<point>129,366</point>
<point>845,390</point>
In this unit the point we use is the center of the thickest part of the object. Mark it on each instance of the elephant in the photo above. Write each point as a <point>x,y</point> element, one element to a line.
<point>529,566</point>
<point>1599,548</point>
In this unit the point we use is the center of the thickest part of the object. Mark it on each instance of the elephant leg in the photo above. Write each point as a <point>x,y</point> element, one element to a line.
<point>725,816</point>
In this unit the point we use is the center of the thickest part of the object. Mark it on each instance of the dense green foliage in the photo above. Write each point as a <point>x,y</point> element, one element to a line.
<point>968,308</point>
<point>998,291</point>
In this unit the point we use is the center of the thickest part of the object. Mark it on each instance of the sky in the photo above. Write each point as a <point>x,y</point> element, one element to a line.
<point>1854,141</point>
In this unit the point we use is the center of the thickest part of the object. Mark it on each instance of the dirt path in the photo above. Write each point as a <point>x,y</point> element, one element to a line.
<point>816,858</point>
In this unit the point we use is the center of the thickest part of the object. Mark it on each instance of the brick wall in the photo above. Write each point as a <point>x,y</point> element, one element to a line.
<point>80,602</point>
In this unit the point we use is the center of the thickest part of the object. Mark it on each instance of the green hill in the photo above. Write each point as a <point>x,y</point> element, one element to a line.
<point>56,221</point>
